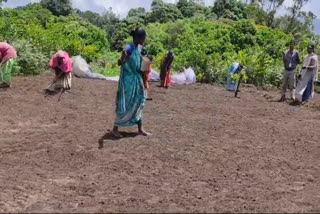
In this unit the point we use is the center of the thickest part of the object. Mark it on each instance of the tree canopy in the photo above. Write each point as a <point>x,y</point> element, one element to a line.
<point>58,7</point>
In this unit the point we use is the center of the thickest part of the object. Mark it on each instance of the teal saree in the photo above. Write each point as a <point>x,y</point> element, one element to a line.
<point>131,95</point>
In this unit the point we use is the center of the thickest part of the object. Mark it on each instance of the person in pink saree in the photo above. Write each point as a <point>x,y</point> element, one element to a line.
<point>8,57</point>
<point>61,64</point>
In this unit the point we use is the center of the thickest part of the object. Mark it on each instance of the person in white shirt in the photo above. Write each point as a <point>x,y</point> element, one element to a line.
<point>309,75</point>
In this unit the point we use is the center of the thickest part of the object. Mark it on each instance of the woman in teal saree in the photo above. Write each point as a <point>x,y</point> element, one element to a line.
<point>131,95</point>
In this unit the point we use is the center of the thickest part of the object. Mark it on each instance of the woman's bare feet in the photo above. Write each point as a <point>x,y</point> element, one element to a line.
<point>295,103</point>
<point>116,133</point>
<point>143,133</point>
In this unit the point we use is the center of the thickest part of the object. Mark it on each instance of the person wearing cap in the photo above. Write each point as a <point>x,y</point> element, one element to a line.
<point>165,75</point>
<point>131,95</point>
<point>8,57</point>
<point>61,64</point>
<point>308,75</point>
<point>291,59</point>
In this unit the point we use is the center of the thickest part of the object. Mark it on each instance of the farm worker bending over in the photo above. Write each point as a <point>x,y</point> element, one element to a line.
<point>165,75</point>
<point>131,96</point>
<point>309,74</point>
<point>61,64</point>
<point>235,68</point>
<point>7,61</point>
<point>291,60</point>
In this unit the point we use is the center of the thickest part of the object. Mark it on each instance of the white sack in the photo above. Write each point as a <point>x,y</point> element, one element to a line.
<point>82,69</point>
<point>187,77</point>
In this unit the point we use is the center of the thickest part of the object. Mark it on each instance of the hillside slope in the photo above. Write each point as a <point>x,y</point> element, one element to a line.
<point>209,152</point>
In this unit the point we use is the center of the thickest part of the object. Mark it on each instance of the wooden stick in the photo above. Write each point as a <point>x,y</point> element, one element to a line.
<point>62,90</point>
<point>55,80</point>
<point>238,86</point>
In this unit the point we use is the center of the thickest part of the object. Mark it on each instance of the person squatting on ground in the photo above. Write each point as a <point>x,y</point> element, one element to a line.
<point>61,64</point>
<point>131,96</point>
<point>291,59</point>
<point>165,70</point>
<point>307,77</point>
<point>8,57</point>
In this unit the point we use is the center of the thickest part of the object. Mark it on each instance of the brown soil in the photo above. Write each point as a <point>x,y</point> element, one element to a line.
<point>209,152</point>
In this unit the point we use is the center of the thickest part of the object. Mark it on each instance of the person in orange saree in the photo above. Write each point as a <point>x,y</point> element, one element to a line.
<point>165,75</point>
<point>145,77</point>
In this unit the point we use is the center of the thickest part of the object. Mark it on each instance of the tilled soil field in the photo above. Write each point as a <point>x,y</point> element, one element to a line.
<point>209,151</point>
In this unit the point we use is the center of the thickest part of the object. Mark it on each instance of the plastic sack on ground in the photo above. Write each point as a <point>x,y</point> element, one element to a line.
<point>187,77</point>
<point>179,78</point>
<point>83,70</point>
<point>114,79</point>
<point>154,76</point>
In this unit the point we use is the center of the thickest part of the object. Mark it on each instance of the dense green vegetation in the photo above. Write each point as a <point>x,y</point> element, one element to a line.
<point>208,39</point>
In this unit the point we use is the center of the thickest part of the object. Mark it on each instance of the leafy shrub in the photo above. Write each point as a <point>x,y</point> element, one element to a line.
<point>107,64</point>
<point>202,41</point>
<point>31,60</point>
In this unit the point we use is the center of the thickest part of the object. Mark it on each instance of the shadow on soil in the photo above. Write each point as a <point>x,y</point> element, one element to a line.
<point>109,136</point>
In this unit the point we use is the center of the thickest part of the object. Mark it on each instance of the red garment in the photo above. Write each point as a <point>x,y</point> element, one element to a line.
<point>165,75</point>
<point>166,81</point>
<point>65,67</point>
<point>145,77</point>
<point>6,52</point>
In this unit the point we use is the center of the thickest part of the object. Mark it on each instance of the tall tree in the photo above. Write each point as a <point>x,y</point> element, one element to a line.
<point>231,9</point>
<point>272,9</point>
<point>137,17</point>
<point>163,12</point>
<point>269,6</point>
<point>114,27</point>
<point>190,8</point>
<point>308,20</point>
<point>295,12</point>
<point>58,7</point>
<point>257,14</point>
<point>139,12</point>
<point>93,18</point>
<point>185,7</point>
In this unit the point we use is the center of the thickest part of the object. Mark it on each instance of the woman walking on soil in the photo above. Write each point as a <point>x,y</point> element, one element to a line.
<point>131,95</point>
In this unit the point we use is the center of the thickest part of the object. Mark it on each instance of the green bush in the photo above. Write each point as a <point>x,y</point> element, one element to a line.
<point>46,33</point>
<point>31,60</point>
<point>198,38</point>
<point>107,64</point>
